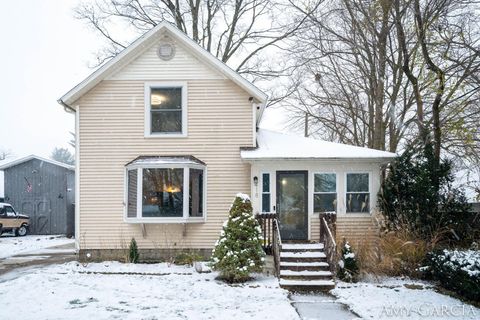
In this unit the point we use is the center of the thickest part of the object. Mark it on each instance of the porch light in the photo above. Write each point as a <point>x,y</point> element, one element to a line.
<point>255,181</point>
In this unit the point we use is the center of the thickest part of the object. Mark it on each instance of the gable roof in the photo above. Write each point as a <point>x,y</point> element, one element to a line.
<point>144,42</point>
<point>276,145</point>
<point>32,156</point>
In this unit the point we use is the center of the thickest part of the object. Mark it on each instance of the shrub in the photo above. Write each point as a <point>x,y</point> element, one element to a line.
<point>133,251</point>
<point>458,271</point>
<point>417,195</point>
<point>187,257</point>
<point>348,266</point>
<point>239,251</point>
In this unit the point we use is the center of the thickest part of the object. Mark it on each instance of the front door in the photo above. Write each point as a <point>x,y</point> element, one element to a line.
<point>292,204</point>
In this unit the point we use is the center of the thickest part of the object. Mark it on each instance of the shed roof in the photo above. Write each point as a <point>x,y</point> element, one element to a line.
<point>32,156</point>
<point>276,145</point>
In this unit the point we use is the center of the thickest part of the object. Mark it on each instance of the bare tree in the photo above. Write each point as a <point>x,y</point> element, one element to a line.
<point>394,70</point>
<point>5,153</point>
<point>237,32</point>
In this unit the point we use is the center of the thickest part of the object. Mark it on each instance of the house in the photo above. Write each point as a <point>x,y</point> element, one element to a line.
<point>44,189</point>
<point>167,135</point>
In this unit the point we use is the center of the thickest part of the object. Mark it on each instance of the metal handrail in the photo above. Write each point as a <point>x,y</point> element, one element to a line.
<point>276,246</point>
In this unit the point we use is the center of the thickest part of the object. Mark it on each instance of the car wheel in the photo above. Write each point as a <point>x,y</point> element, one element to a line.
<point>22,231</point>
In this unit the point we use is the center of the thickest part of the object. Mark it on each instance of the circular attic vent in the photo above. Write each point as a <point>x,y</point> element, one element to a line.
<point>166,50</point>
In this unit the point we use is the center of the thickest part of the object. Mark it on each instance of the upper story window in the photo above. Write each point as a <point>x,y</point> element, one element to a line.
<point>325,192</point>
<point>165,189</point>
<point>166,109</point>
<point>358,193</point>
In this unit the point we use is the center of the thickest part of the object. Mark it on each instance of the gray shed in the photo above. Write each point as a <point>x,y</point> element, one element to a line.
<point>43,189</point>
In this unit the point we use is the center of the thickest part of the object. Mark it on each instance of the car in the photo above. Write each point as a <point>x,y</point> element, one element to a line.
<point>10,220</point>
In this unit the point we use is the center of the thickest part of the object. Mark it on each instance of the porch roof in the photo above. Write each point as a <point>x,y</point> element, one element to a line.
<point>276,145</point>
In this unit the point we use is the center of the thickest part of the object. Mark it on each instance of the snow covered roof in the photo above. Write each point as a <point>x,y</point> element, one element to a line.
<point>30,157</point>
<point>164,160</point>
<point>276,145</point>
<point>141,44</point>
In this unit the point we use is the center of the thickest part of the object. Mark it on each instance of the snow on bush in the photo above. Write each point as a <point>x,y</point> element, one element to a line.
<point>238,252</point>
<point>457,270</point>
<point>348,267</point>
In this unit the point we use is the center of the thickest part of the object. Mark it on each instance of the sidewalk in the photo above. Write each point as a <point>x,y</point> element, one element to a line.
<point>320,306</point>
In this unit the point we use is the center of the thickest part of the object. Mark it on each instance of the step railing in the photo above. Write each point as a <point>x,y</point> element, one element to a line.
<point>276,246</point>
<point>328,222</point>
<point>266,221</point>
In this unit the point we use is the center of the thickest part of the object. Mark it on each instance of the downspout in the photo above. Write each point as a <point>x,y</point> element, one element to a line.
<point>66,106</point>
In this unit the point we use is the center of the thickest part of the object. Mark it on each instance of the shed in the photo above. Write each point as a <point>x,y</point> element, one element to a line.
<point>43,189</point>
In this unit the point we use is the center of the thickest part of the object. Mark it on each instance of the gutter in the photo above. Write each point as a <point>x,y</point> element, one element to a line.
<point>66,106</point>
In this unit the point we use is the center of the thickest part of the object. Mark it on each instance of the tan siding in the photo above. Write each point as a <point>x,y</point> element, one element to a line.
<point>356,230</point>
<point>112,134</point>
<point>148,66</point>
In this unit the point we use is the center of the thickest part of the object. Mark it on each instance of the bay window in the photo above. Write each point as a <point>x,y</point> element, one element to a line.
<point>165,189</point>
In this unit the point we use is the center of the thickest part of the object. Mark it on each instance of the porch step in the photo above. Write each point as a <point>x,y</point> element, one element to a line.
<point>303,255</point>
<point>304,266</point>
<point>307,285</point>
<point>302,246</point>
<point>305,275</point>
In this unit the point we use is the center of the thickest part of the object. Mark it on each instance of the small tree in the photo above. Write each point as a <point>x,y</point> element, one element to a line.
<point>133,251</point>
<point>418,195</point>
<point>63,155</point>
<point>348,266</point>
<point>239,250</point>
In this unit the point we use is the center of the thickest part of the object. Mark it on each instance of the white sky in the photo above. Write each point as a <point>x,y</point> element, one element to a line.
<point>46,51</point>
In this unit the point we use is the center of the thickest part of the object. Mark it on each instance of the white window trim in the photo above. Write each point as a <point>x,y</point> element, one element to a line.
<point>186,192</point>
<point>369,192</point>
<point>269,191</point>
<point>336,189</point>
<point>166,84</point>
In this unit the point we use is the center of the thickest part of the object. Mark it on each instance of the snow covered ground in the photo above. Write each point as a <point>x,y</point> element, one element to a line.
<point>401,299</point>
<point>126,291</point>
<point>10,246</point>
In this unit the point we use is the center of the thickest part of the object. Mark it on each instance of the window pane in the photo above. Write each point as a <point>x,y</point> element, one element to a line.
<point>357,182</point>
<point>358,202</point>
<point>326,182</point>
<point>166,98</point>
<point>166,121</point>
<point>162,193</point>
<point>266,182</point>
<point>266,202</point>
<point>325,202</point>
<point>132,194</point>
<point>196,193</point>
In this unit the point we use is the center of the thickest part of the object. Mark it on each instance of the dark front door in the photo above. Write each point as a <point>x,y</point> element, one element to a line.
<point>292,204</point>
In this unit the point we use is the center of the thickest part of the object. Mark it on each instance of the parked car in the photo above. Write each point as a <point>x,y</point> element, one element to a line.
<point>10,220</point>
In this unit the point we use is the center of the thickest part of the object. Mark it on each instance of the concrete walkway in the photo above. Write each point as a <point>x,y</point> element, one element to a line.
<point>15,264</point>
<point>320,306</point>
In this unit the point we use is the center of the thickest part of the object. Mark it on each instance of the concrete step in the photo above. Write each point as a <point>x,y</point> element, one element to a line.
<point>302,246</point>
<point>306,275</point>
<point>300,266</point>
<point>307,285</point>
<point>302,255</point>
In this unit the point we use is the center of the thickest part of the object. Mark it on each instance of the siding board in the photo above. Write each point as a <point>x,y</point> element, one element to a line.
<point>112,134</point>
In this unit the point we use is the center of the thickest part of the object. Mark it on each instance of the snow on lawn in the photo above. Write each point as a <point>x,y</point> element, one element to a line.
<point>98,291</point>
<point>401,299</point>
<point>10,246</point>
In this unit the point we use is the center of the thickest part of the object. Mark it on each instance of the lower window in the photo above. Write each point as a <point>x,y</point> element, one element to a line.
<point>156,193</point>
<point>358,193</point>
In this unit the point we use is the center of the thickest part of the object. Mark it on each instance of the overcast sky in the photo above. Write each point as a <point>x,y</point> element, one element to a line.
<point>46,51</point>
